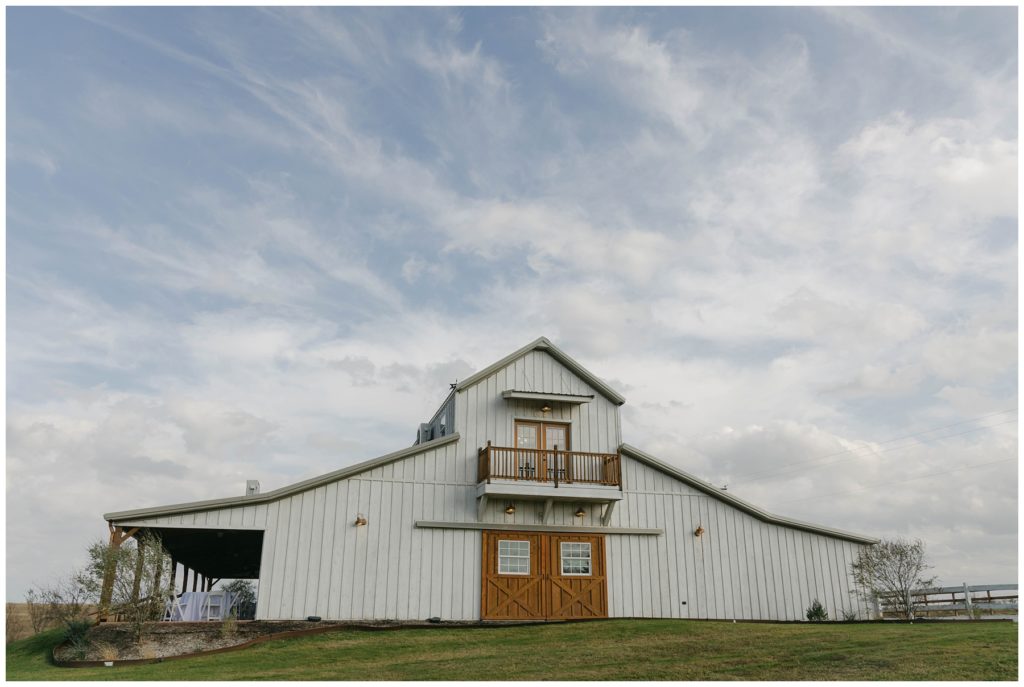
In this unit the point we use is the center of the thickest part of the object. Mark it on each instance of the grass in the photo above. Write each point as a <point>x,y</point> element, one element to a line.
<point>607,650</point>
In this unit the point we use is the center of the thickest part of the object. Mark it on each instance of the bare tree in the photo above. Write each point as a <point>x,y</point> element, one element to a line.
<point>57,603</point>
<point>890,570</point>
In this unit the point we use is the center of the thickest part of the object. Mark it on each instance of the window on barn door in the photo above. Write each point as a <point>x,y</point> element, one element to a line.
<point>513,557</point>
<point>575,558</point>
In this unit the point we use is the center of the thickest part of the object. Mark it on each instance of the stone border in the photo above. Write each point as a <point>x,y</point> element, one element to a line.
<point>294,633</point>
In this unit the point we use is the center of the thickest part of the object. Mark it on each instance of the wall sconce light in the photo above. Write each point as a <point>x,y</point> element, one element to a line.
<point>546,408</point>
<point>699,531</point>
<point>510,509</point>
<point>360,520</point>
<point>580,512</point>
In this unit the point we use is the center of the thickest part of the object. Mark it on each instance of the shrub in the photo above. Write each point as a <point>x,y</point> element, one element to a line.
<point>229,627</point>
<point>75,632</point>
<point>816,613</point>
<point>105,650</point>
<point>849,616</point>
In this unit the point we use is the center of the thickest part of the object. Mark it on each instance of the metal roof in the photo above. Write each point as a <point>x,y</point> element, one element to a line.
<point>726,497</point>
<point>543,344</point>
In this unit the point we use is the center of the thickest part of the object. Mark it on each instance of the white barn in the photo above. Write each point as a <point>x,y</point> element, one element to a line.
<point>519,500</point>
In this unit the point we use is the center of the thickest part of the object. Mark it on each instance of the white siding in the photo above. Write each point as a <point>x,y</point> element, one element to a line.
<point>387,569</point>
<point>740,568</point>
<point>482,415</point>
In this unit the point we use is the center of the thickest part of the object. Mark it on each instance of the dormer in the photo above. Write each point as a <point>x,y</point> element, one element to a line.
<point>536,424</point>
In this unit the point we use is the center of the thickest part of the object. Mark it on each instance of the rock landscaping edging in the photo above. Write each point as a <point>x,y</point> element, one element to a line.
<point>112,643</point>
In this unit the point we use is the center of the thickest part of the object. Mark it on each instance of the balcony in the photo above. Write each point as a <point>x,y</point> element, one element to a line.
<point>550,476</point>
<point>551,467</point>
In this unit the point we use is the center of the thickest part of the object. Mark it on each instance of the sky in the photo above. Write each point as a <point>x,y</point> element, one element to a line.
<point>261,243</point>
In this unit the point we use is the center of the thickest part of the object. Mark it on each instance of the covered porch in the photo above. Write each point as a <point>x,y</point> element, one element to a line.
<point>198,558</point>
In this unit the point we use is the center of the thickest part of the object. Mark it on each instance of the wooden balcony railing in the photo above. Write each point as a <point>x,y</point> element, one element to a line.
<point>548,465</point>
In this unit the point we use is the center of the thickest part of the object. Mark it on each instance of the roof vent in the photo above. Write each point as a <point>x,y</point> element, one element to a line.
<point>252,487</point>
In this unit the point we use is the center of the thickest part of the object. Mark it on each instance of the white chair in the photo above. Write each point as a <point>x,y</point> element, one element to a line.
<point>215,605</point>
<point>172,609</point>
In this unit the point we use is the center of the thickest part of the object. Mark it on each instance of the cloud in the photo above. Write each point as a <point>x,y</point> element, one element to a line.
<point>39,158</point>
<point>241,262</point>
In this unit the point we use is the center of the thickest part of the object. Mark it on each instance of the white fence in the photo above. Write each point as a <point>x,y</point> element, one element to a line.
<point>969,600</point>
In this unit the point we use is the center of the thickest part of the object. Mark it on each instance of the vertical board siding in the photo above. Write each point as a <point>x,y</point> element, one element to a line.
<point>321,563</point>
<point>315,561</point>
<point>740,568</point>
<point>483,415</point>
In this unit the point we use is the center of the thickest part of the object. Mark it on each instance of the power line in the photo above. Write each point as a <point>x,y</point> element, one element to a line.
<point>902,481</point>
<point>870,451</point>
<point>880,443</point>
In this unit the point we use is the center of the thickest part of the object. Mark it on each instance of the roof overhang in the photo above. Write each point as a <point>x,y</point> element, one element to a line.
<point>575,399</point>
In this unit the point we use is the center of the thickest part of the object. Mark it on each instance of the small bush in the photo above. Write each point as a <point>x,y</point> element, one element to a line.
<point>229,627</point>
<point>75,632</point>
<point>816,613</point>
<point>105,650</point>
<point>849,616</point>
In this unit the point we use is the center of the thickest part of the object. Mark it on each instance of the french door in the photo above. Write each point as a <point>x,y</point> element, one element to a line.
<point>542,435</point>
<point>542,576</point>
<point>540,447</point>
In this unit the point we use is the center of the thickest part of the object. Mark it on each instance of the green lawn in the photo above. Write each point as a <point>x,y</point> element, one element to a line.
<point>607,650</point>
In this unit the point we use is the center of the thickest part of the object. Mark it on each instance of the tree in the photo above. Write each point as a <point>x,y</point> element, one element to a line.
<point>58,603</point>
<point>141,579</point>
<point>245,593</point>
<point>891,569</point>
<point>141,585</point>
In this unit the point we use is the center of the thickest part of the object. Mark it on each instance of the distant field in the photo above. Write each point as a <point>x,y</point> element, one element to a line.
<point>604,650</point>
<point>19,624</point>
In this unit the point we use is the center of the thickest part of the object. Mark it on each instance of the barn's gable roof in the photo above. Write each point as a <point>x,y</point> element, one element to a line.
<point>726,497</point>
<point>343,473</point>
<point>543,344</point>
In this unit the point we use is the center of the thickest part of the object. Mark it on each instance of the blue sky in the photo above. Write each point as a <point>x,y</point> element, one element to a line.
<point>259,243</point>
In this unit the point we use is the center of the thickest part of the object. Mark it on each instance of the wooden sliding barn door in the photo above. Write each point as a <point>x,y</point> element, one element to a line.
<point>512,576</point>
<point>577,583</point>
<point>541,576</point>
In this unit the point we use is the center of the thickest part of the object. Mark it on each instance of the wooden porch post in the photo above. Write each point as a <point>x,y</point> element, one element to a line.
<point>184,578</point>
